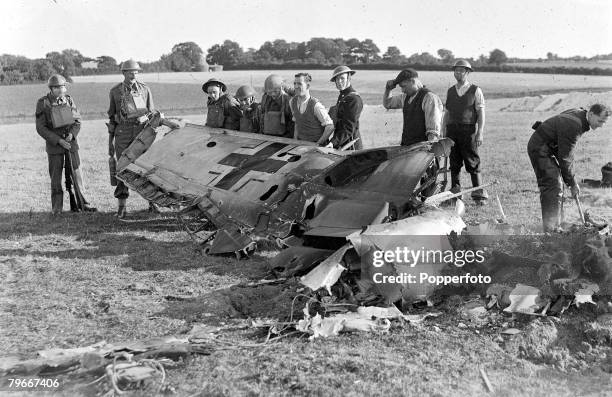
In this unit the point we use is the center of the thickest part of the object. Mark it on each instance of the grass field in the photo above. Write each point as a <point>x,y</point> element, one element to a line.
<point>180,93</point>
<point>79,279</point>
<point>566,64</point>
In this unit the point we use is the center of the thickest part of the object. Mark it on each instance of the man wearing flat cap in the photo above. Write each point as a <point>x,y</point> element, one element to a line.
<point>130,102</point>
<point>422,108</point>
<point>223,110</point>
<point>347,110</point>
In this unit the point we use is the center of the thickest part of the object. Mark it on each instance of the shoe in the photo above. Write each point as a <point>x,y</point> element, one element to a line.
<point>121,208</point>
<point>89,208</point>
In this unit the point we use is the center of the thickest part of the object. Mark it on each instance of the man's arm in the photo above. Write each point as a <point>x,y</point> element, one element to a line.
<point>392,102</point>
<point>567,139</point>
<point>480,110</point>
<point>326,121</point>
<point>150,104</point>
<point>112,111</point>
<point>75,128</point>
<point>444,123</point>
<point>41,125</point>
<point>432,107</point>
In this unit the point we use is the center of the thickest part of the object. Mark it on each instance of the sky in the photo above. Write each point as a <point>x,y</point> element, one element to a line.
<point>144,30</point>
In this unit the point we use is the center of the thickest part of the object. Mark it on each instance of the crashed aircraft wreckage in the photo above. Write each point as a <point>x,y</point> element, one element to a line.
<point>234,187</point>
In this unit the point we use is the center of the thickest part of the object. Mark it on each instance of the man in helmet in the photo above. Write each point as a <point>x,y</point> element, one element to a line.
<point>251,110</point>
<point>422,108</point>
<point>551,151</point>
<point>130,102</point>
<point>58,121</point>
<point>312,122</point>
<point>464,122</point>
<point>223,110</point>
<point>277,118</point>
<point>347,110</point>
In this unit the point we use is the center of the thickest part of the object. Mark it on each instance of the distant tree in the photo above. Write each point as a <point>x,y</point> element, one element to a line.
<point>446,55</point>
<point>41,70</point>
<point>229,53</point>
<point>394,56</point>
<point>185,56</point>
<point>370,51</point>
<point>424,58</point>
<point>497,57</point>
<point>353,52</point>
<point>331,51</point>
<point>107,63</point>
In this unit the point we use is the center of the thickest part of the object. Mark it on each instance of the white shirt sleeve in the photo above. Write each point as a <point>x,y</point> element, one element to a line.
<point>432,107</point>
<point>322,115</point>
<point>479,99</point>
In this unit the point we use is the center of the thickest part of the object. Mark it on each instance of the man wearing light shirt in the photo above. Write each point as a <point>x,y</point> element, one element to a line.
<point>464,122</point>
<point>312,122</point>
<point>422,108</point>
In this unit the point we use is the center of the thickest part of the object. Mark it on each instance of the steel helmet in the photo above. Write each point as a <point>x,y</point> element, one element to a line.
<point>56,80</point>
<point>339,70</point>
<point>130,64</point>
<point>273,81</point>
<point>245,91</point>
<point>213,81</point>
<point>464,64</point>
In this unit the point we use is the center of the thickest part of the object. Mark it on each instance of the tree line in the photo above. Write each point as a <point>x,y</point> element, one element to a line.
<point>318,52</point>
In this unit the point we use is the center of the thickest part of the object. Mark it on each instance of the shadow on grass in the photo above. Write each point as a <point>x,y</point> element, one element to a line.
<point>143,242</point>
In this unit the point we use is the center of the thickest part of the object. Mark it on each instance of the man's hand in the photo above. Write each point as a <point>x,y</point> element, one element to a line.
<point>111,146</point>
<point>69,137</point>
<point>432,137</point>
<point>390,85</point>
<point>478,138</point>
<point>111,128</point>
<point>234,101</point>
<point>575,189</point>
<point>64,144</point>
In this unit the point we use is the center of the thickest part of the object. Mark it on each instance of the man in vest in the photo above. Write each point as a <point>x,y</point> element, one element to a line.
<point>551,151</point>
<point>312,122</point>
<point>348,110</point>
<point>251,110</point>
<point>58,121</point>
<point>276,112</point>
<point>422,108</point>
<point>130,103</point>
<point>464,122</point>
<point>223,110</point>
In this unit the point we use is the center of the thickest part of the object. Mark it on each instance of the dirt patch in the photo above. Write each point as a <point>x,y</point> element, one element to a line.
<point>556,102</point>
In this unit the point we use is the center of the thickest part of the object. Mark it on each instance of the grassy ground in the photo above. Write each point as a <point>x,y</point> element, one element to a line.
<point>83,278</point>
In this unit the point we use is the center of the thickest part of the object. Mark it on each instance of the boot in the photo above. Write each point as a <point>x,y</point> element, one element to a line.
<point>455,184</point>
<point>479,196</point>
<point>57,203</point>
<point>121,211</point>
<point>551,212</point>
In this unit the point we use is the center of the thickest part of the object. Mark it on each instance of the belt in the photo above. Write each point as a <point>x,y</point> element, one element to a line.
<point>461,124</point>
<point>129,122</point>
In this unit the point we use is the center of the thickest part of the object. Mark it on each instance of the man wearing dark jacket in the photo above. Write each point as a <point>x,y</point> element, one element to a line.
<point>347,110</point>
<point>551,151</point>
<point>58,121</point>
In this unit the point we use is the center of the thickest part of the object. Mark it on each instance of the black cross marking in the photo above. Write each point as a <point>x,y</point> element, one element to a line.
<point>244,163</point>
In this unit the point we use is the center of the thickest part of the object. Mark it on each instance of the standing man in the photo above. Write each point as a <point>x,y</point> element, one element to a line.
<point>464,122</point>
<point>422,108</point>
<point>312,122</point>
<point>130,102</point>
<point>276,112</point>
<point>250,110</point>
<point>551,151</point>
<point>58,121</point>
<point>348,110</point>
<point>223,110</point>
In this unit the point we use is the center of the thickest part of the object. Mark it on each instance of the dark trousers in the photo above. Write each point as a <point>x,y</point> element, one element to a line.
<point>57,163</point>
<point>124,136</point>
<point>548,174</point>
<point>465,150</point>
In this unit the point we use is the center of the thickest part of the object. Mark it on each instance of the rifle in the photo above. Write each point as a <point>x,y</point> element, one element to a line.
<point>77,201</point>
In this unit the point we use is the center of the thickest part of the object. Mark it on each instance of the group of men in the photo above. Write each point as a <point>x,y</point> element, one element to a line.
<point>291,112</point>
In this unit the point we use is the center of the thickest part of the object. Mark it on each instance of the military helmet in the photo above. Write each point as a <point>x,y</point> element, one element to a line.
<point>339,70</point>
<point>463,64</point>
<point>130,64</point>
<point>245,91</point>
<point>216,82</point>
<point>56,80</point>
<point>273,81</point>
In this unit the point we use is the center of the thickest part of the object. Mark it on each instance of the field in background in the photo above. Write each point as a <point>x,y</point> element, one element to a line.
<point>180,93</point>
<point>565,64</point>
